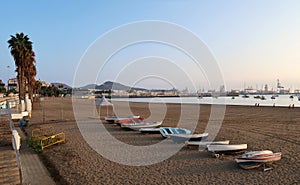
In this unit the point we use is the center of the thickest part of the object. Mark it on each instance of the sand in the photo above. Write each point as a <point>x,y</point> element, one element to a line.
<point>75,162</point>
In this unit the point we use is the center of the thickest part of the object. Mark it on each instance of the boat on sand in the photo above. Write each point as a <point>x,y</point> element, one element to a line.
<point>205,143</point>
<point>114,119</point>
<point>167,131</point>
<point>227,149</point>
<point>150,130</point>
<point>138,126</point>
<point>255,159</point>
<point>181,138</point>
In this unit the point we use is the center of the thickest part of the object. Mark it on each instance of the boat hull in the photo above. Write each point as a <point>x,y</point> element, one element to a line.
<point>181,138</point>
<point>114,119</point>
<point>205,143</point>
<point>260,159</point>
<point>138,126</point>
<point>167,131</point>
<point>150,130</point>
<point>227,149</point>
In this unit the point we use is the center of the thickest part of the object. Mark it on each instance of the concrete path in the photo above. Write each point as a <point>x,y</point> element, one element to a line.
<point>34,172</point>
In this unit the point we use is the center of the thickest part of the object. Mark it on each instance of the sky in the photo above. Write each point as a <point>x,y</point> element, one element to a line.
<point>254,42</point>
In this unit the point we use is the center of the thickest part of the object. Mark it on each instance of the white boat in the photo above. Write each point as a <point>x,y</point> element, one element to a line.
<point>227,148</point>
<point>180,138</point>
<point>205,143</point>
<point>264,156</point>
<point>138,126</point>
<point>167,131</point>
<point>150,130</point>
<point>114,119</point>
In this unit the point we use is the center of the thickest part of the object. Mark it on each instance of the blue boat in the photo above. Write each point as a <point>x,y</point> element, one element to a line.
<point>167,131</point>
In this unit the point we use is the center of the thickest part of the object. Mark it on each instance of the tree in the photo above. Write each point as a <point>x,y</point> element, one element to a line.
<point>30,73</point>
<point>21,50</point>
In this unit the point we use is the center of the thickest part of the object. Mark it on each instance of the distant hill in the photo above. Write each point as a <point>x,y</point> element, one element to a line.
<point>110,85</point>
<point>57,84</point>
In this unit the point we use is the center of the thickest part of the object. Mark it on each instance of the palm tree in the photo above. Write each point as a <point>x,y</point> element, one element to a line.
<point>30,73</point>
<point>20,48</point>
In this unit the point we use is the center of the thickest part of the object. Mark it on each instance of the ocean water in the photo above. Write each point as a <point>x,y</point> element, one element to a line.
<point>280,101</point>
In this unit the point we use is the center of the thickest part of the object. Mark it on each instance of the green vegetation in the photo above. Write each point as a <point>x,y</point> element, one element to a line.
<point>24,57</point>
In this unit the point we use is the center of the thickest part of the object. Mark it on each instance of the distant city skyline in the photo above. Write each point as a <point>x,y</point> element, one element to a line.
<point>254,42</point>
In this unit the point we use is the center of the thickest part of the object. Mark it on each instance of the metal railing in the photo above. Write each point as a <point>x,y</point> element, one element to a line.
<point>12,127</point>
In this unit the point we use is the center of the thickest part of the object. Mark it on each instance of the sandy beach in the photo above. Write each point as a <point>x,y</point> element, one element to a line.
<point>75,162</point>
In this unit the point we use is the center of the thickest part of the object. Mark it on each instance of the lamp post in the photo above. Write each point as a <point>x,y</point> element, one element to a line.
<point>7,77</point>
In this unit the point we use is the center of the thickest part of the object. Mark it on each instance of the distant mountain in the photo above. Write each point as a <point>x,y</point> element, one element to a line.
<point>58,85</point>
<point>111,85</point>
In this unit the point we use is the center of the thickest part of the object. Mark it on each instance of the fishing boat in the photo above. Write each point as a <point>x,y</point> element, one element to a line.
<point>181,138</point>
<point>138,126</point>
<point>265,156</point>
<point>150,130</point>
<point>167,131</point>
<point>130,121</point>
<point>205,143</point>
<point>255,159</point>
<point>114,119</point>
<point>227,148</point>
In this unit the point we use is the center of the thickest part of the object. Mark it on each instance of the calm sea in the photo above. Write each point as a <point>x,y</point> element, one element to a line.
<point>281,100</point>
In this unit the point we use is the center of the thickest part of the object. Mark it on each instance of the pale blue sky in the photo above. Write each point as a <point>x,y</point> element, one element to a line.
<point>255,42</point>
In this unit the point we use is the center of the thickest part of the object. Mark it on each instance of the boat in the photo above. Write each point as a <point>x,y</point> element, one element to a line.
<point>167,131</point>
<point>150,130</point>
<point>263,98</point>
<point>181,138</point>
<point>273,97</point>
<point>227,148</point>
<point>257,97</point>
<point>114,119</point>
<point>291,96</point>
<point>205,143</point>
<point>138,126</point>
<point>265,156</point>
<point>130,121</point>
<point>255,159</point>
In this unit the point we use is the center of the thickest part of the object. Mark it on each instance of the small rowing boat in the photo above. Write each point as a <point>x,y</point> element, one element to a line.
<point>167,131</point>
<point>114,119</point>
<point>205,143</point>
<point>138,126</point>
<point>227,148</point>
<point>181,138</point>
